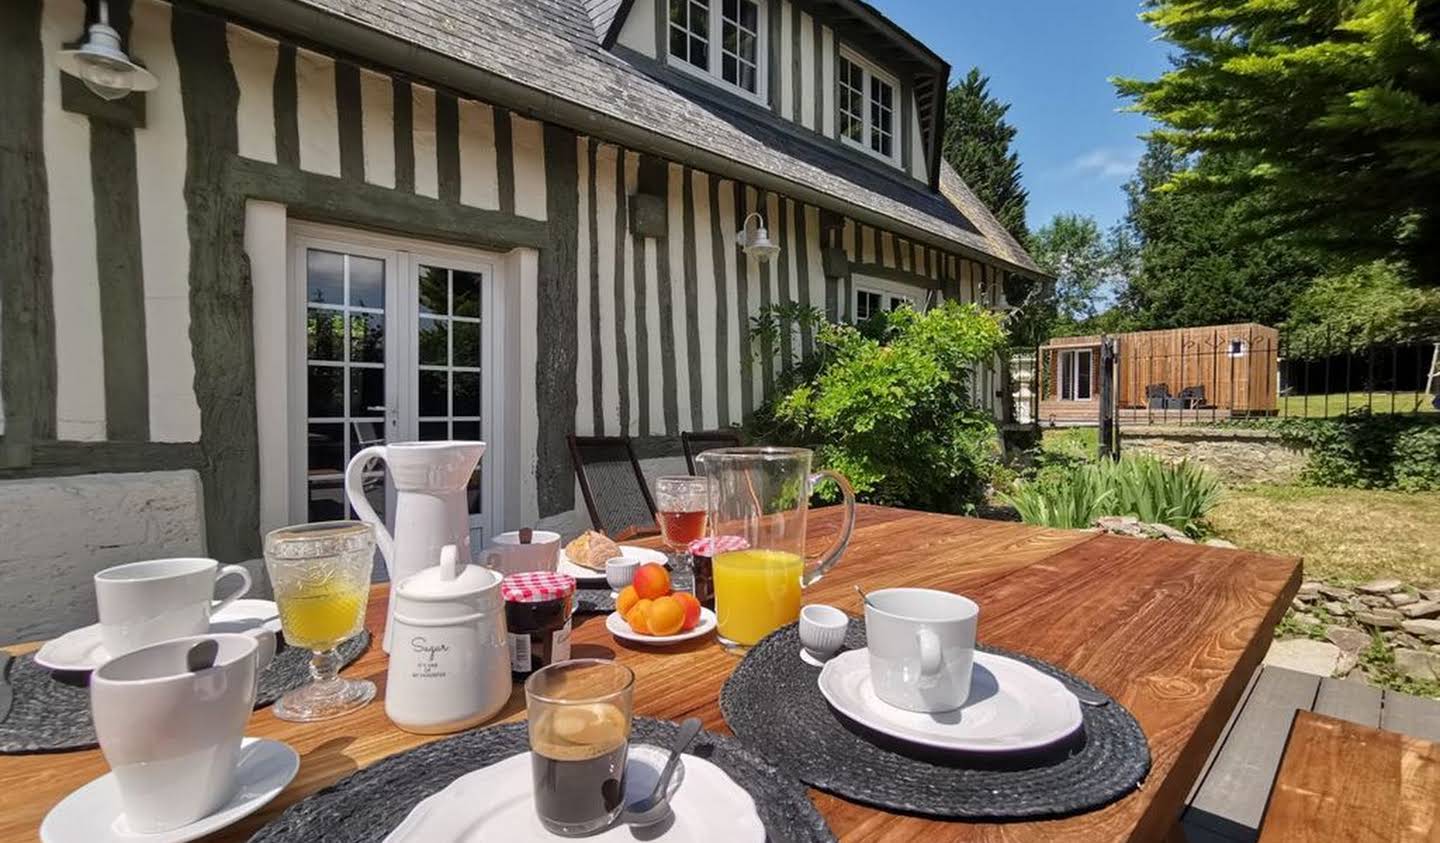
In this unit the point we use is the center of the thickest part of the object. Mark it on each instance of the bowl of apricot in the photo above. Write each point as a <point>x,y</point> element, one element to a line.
<point>649,611</point>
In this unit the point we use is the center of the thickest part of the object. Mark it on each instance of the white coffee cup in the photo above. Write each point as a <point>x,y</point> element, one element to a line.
<point>922,647</point>
<point>170,736</point>
<point>143,603</point>
<point>508,556</point>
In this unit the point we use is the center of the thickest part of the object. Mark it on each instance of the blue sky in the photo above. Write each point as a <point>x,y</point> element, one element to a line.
<point>1050,60</point>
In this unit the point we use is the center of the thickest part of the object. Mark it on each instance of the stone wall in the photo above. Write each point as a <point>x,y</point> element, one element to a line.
<point>1239,457</point>
<point>59,531</point>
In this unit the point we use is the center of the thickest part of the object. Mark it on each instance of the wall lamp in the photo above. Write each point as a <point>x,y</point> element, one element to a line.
<point>758,245</point>
<point>101,63</point>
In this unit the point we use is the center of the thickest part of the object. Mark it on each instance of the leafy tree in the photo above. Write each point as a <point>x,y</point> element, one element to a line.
<point>977,144</point>
<point>1370,305</point>
<point>1084,260</point>
<point>889,406</point>
<point>1193,263</point>
<point>1323,117</point>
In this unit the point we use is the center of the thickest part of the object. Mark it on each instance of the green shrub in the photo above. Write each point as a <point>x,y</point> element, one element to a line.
<point>1178,495</point>
<point>1367,450</point>
<point>888,403</point>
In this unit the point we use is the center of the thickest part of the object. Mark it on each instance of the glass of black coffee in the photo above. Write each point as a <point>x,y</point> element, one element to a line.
<point>579,714</point>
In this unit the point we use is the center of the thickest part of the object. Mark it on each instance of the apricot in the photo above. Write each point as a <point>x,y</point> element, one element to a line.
<point>626,600</point>
<point>666,616</point>
<point>652,581</point>
<point>691,606</point>
<point>639,616</point>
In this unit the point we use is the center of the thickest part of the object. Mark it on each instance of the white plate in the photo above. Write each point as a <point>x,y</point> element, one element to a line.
<point>93,813</point>
<point>586,575</point>
<point>620,629</point>
<point>1012,706</point>
<point>497,803</point>
<point>80,649</point>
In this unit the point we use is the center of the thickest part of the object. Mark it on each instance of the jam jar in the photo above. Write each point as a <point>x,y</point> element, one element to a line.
<point>537,615</point>
<point>702,561</point>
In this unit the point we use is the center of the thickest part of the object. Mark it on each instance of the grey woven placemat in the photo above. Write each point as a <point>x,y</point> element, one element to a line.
<point>51,711</point>
<point>773,703</point>
<point>600,600</point>
<point>368,804</point>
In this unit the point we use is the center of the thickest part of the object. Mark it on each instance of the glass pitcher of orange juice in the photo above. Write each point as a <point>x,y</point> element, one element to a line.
<point>762,495</point>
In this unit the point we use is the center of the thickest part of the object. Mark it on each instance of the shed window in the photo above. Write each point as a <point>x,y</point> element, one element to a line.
<point>867,107</point>
<point>722,41</point>
<point>1237,348</point>
<point>1075,374</point>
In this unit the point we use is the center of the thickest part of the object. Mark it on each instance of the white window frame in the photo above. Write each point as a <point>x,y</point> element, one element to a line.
<point>1070,365</point>
<point>872,71</point>
<point>715,52</point>
<point>1237,348</point>
<point>917,296</point>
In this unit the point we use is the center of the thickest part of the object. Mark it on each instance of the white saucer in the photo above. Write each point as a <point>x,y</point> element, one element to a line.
<point>497,803</point>
<point>620,629</point>
<point>80,649</point>
<point>1012,706</point>
<point>93,813</point>
<point>587,575</point>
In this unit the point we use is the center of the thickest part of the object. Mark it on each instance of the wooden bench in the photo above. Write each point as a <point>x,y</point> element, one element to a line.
<point>1228,799</point>
<point>1343,781</point>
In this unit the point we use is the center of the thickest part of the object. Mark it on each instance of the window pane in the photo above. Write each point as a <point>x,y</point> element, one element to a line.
<point>750,15</point>
<point>434,431</point>
<point>324,277</point>
<point>434,390</point>
<point>325,387</point>
<point>700,19</point>
<point>365,434</point>
<point>467,343</point>
<point>467,293</point>
<point>677,12</point>
<point>327,500</point>
<point>699,53</point>
<point>727,69</point>
<point>747,47</point>
<point>434,290</point>
<point>434,342</point>
<point>747,78</point>
<point>467,393</point>
<point>324,337</point>
<point>467,430</point>
<point>326,447</point>
<point>367,282</point>
<point>367,338</point>
<point>728,9</point>
<point>367,392</point>
<point>678,39</point>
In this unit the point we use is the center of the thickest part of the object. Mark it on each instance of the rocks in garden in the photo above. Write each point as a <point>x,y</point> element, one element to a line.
<point>1417,664</point>
<point>1306,619</point>
<point>1380,618</point>
<point>1335,593</point>
<point>1423,609</point>
<point>1298,605</point>
<point>1381,586</point>
<point>1318,657</point>
<point>1220,543</point>
<point>1427,629</point>
<point>1336,608</point>
<point>1430,594</point>
<point>1129,525</point>
<point>1374,601</point>
<point>1405,639</point>
<point>1309,590</point>
<point>1401,598</point>
<point>1347,639</point>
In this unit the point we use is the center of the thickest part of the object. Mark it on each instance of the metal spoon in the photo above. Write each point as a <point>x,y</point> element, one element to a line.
<point>202,655</point>
<point>1094,699</point>
<point>865,598</point>
<point>652,808</point>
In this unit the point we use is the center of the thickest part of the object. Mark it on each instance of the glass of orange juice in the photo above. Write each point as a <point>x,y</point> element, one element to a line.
<point>762,495</point>
<point>321,577</point>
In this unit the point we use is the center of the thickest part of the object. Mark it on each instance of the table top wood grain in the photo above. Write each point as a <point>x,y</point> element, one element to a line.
<point>1173,631</point>
<point>1344,781</point>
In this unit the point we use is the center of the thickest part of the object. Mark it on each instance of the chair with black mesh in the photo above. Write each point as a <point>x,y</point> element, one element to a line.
<point>613,486</point>
<point>704,440</point>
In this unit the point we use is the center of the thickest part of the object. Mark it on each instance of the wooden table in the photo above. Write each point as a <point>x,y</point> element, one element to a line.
<point>1171,630</point>
<point>1344,781</point>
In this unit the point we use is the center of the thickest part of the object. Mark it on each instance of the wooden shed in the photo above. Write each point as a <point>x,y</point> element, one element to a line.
<point>1220,370</point>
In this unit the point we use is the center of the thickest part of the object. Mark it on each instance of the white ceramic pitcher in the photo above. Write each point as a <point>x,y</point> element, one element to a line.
<point>430,505</point>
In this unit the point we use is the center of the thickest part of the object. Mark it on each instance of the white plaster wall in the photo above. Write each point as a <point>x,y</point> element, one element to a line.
<point>638,32</point>
<point>60,530</point>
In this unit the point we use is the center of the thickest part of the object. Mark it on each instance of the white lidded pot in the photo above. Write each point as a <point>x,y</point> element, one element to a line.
<point>450,663</point>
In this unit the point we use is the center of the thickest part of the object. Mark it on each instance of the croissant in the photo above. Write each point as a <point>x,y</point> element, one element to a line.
<point>591,550</point>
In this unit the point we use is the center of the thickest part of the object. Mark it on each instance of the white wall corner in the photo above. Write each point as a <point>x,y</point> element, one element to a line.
<point>266,246</point>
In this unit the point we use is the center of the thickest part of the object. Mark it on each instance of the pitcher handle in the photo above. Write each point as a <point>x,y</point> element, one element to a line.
<point>355,491</point>
<point>836,550</point>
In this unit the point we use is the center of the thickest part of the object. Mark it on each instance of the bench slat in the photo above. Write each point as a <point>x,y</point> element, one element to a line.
<point>1410,715</point>
<point>1353,701</point>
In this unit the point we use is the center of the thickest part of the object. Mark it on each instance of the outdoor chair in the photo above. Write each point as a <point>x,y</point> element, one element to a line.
<point>1156,395</point>
<point>700,441</point>
<point>614,488</point>
<point>1193,397</point>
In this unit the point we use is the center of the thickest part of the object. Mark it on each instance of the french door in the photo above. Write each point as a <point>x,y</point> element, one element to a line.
<point>394,342</point>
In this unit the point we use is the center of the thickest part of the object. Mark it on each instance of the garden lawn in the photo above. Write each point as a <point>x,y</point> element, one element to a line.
<point>1339,403</point>
<point>1346,536</point>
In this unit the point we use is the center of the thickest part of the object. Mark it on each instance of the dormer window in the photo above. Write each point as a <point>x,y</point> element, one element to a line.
<point>867,107</point>
<point>722,41</point>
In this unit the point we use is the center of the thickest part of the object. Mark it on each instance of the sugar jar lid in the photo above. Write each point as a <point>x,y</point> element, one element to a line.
<point>536,586</point>
<point>449,578</point>
<point>711,545</point>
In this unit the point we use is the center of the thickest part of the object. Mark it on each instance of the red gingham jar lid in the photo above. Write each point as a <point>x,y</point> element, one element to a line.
<point>711,545</point>
<point>537,586</point>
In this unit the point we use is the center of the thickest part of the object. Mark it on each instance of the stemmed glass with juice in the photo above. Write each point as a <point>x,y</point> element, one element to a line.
<point>763,495</point>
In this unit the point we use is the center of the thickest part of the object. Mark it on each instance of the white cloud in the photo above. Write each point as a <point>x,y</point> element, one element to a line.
<point>1107,163</point>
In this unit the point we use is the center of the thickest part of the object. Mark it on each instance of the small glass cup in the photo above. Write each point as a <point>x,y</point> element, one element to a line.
<point>680,507</point>
<point>321,577</point>
<point>579,714</point>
